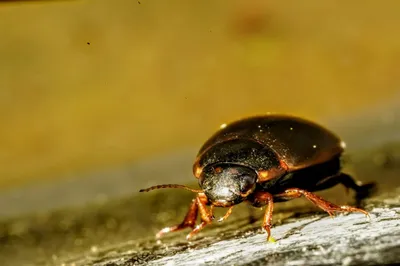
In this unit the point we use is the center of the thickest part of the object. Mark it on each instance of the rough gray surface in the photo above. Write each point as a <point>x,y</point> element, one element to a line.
<point>315,241</point>
<point>309,240</point>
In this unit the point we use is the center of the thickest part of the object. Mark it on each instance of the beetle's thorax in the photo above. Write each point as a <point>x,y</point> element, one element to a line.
<point>245,152</point>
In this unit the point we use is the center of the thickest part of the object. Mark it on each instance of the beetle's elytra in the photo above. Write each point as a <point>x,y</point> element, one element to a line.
<point>262,160</point>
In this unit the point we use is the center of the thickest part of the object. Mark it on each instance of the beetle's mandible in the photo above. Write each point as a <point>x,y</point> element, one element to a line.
<point>262,160</point>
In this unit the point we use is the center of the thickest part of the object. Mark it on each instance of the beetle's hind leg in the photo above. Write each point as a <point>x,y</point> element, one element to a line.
<point>327,206</point>
<point>362,190</point>
<point>198,205</point>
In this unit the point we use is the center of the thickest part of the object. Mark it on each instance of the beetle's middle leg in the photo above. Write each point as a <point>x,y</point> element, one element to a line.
<point>260,199</point>
<point>198,205</point>
<point>327,206</point>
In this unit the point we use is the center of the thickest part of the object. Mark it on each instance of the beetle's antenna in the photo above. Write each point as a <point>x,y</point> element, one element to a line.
<point>170,186</point>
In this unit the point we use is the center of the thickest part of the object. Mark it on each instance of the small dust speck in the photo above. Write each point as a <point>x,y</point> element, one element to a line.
<point>88,43</point>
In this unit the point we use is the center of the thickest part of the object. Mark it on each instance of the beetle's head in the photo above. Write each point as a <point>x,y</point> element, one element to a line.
<point>224,184</point>
<point>227,184</point>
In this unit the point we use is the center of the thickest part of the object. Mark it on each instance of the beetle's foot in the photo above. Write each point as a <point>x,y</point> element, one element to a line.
<point>345,208</point>
<point>197,206</point>
<point>267,228</point>
<point>331,213</point>
<point>325,205</point>
<point>331,208</point>
<point>173,229</point>
<point>196,229</point>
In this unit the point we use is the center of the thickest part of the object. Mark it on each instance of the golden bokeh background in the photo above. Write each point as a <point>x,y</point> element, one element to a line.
<point>94,84</point>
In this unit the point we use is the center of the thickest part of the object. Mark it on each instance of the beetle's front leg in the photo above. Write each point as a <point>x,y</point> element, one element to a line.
<point>264,198</point>
<point>197,205</point>
<point>206,215</point>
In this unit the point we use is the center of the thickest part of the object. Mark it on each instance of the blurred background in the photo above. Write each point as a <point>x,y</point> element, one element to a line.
<point>96,84</point>
<point>102,98</point>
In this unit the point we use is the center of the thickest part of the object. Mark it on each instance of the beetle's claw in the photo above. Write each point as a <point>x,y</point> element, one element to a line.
<point>162,232</point>
<point>267,229</point>
<point>191,234</point>
<point>271,239</point>
<point>167,230</point>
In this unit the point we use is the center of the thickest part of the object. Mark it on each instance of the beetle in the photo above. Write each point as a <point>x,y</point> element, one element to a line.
<point>266,159</point>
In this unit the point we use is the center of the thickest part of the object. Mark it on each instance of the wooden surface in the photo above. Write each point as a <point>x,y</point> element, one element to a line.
<point>315,240</point>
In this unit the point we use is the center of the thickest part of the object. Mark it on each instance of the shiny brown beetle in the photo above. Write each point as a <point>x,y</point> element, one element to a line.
<point>262,160</point>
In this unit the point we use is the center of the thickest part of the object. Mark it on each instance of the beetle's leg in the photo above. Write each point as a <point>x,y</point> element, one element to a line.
<point>267,221</point>
<point>206,216</point>
<point>327,206</point>
<point>189,221</point>
<point>191,215</point>
<point>227,214</point>
<point>265,198</point>
<point>362,190</point>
